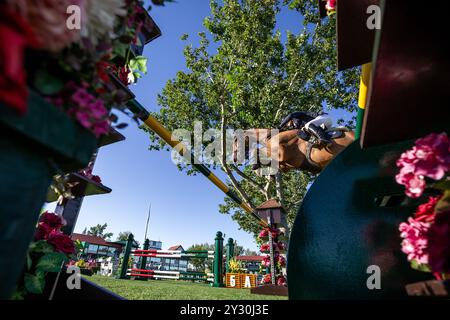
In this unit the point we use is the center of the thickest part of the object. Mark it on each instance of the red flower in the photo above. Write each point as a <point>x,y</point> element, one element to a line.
<point>425,212</point>
<point>263,234</point>
<point>96,179</point>
<point>265,248</point>
<point>15,36</point>
<point>123,75</point>
<point>42,232</point>
<point>281,246</point>
<point>52,220</point>
<point>280,260</point>
<point>61,242</point>
<point>266,279</point>
<point>281,281</point>
<point>439,243</point>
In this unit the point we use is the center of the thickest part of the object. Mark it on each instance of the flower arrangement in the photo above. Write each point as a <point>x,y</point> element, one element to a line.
<point>47,253</point>
<point>73,68</point>
<point>88,267</point>
<point>426,235</point>
<point>278,248</point>
<point>280,280</point>
<point>88,174</point>
<point>235,266</point>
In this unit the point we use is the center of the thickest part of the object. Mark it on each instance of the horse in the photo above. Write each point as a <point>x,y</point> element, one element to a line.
<point>295,152</point>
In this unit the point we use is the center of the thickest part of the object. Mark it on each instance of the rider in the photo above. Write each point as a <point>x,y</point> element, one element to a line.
<point>312,122</point>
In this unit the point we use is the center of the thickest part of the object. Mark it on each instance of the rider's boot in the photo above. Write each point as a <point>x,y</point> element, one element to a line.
<point>320,134</point>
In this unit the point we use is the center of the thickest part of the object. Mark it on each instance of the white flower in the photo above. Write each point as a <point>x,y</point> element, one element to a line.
<point>100,19</point>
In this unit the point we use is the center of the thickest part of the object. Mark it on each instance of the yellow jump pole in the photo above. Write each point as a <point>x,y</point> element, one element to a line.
<point>136,108</point>
<point>362,99</point>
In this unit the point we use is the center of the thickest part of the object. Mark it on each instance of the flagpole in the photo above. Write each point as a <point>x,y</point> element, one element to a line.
<point>148,220</point>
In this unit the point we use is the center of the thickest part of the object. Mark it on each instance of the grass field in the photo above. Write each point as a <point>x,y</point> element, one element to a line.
<point>174,290</point>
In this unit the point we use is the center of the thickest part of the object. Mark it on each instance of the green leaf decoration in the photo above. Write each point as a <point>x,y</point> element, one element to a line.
<point>420,266</point>
<point>41,246</point>
<point>120,50</point>
<point>29,262</point>
<point>34,283</point>
<point>443,204</point>
<point>137,75</point>
<point>51,262</point>
<point>19,294</point>
<point>139,64</point>
<point>47,84</point>
<point>442,185</point>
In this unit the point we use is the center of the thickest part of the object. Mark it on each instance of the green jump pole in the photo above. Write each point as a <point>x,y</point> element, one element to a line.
<point>218,261</point>
<point>138,110</point>
<point>143,263</point>
<point>126,257</point>
<point>230,254</point>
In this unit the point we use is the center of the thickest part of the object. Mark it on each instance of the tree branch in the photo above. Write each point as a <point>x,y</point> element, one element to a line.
<point>223,161</point>
<point>284,97</point>
<point>249,179</point>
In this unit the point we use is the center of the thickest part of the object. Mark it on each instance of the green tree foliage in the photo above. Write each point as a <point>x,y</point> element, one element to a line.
<point>243,74</point>
<point>199,264</point>
<point>123,236</point>
<point>99,231</point>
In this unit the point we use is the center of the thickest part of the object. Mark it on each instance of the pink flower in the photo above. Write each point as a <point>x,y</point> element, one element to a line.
<point>263,234</point>
<point>415,185</point>
<point>330,5</point>
<point>82,97</point>
<point>71,263</point>
<point>83,118</point>
<point>430,157</point>
<point>414,244</point>
<point>90,112</point>
<point>266,261</point>
<point>439,243</point>
<point>101,128</point>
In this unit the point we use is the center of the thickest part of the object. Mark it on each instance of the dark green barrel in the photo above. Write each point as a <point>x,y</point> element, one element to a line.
<point>349,221</point>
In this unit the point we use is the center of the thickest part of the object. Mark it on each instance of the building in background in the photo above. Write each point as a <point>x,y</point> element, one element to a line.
<point>154,263</point>
<point>251,263</point>
<point>96,247</point>
<point>170,264</point>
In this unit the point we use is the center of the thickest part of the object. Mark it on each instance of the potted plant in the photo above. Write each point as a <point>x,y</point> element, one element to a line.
<point>55,100</point>
<point>45,256</point>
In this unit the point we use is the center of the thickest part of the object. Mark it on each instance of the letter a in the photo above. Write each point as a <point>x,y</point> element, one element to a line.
<point>73,22</point>
<point>248,283</point>
<point>374,281</point>
<point>374,20</point>
<point>74,280</point>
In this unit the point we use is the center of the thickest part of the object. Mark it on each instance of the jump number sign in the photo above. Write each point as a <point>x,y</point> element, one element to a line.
<point>240,280</point>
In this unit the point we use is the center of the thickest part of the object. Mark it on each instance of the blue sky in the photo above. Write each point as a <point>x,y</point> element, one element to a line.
<point>184,208</point>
